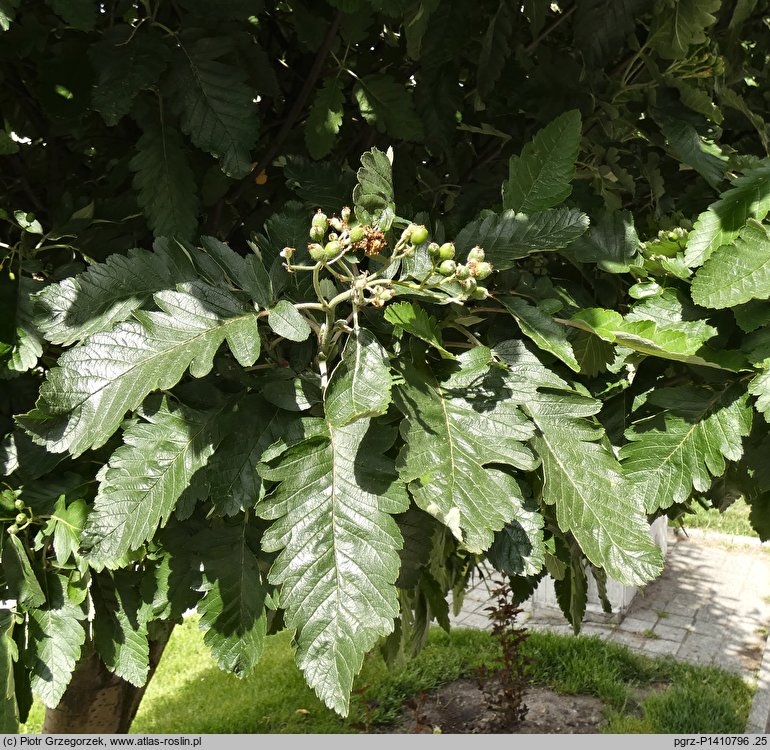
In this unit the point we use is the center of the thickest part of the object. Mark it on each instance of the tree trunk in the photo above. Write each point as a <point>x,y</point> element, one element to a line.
<point>98,701</point>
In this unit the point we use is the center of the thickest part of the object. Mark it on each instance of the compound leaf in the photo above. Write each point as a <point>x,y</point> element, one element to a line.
<point>338,544</point>
<point>325,119</point>
<point>85,397</point>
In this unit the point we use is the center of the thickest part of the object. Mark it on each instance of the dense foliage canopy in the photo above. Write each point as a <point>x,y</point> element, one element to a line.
<point>307,308</point>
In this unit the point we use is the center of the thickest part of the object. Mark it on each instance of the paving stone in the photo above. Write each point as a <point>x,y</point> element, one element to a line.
<point>661,647</point>
<point>663,630</point>
<point>684,622</point>
<point>639,621</point>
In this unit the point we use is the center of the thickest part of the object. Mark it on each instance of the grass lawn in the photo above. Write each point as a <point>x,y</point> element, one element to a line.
<point>735,520</point>
<point>189,694</point>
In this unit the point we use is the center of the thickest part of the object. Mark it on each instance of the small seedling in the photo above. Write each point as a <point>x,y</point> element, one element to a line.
<point>661,613</point>
<point>653,636</point>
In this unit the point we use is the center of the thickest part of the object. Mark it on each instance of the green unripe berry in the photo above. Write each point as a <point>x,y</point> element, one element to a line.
<point>332,249</point>
<point>13,529</point>
<point>433,249</point>
<point>479,293</point>
<point>476,253</point>
<point>345,214</point>
<point>20,518</point>
<point>462,272</point>
<point>317,233</point>
<point>483,270</point>
<point>320,220</point>
<point>419,234</point>
<point>673,236</point>
<point>317,252</point>
<point>19,504</point>
<point>469,284</point>
<point>447,267</point>
<point>446,251</point>
<point>357,233</point>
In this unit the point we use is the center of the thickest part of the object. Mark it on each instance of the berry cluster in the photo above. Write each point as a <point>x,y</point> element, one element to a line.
<point>468,274</point>
<point>10,501</point>
<point>343,236</point>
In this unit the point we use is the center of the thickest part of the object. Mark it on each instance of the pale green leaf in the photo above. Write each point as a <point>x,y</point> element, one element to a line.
<point>722,221</point>
<point>386,104</point>
<point>146,476</point>
<point>66,525</point>
<point>450,438</point>
<point>360,384</point>
<point>325,119</point>
<point>541,177</point>
<point>736,273</point>
<point>287,321</point>
<point>8,10</point>
<point>233,606</point>
<point>55,637</point>
<point>679,24</point>
<point>338,545</point>
<point>85,397</point>
<point>760,387</point>
<point>647,337</point>
<point>215,105</point>
<point>20,579</point>
<point>686,446</point>
<point>373,195</point>
<point>592,353</point>
<point>120,626</point>
<point>508,236</point>
<point>412,319</point>
<point>542,329</point>
<point>582,478</point>
<point>246,273</point>
<point>28,346</point>
<point>104,295</point>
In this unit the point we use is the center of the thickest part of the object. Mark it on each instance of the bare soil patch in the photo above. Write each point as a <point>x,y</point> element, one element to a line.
<point>460,708</point>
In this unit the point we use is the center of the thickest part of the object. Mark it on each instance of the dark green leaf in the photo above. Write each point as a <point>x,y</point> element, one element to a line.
<point>287,321</point>
<point>20,579</point>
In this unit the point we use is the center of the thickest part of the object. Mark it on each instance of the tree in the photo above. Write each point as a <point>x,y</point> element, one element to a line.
<point>290,289</point>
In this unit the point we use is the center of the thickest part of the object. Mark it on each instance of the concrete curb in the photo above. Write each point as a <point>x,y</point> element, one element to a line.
<point>759,715</point>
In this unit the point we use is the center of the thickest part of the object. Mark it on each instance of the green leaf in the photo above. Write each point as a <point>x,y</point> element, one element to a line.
<point>20,579</point>
<point>145,477</point>
<point>518,549</point>
<point>542,329</point>
<point>592,353</point>
<point>233,607</point>
<point>415,321</point>
<point>686,445</point>
<point>647,337</point>
<point>105,294</point>
<point>230,474</point>
<point>66,525</point>
<point>360,384</point>
<point>120,626</point>
<point>760,387</point>
<point>602,27</point>
<point>85,397</point>
<point>387,105</point>
<point>28,346</point>
<point>583,480</point>
<point>508,236</point>
<point>325,119</point>
<point>9,713</point>
<point>164,181</point>
<point>338,545</point>
<point>689,147</point>
<point>215,105</point>
<point>450,437</point>
<point>736,273</point>
<point>541,177</point>
<point>671,310</point>
<point>80,14</point>
<point>572,592</point>
<point>127,61</point>
<point>495,48</point>
<point>287,321</point>
<point>373,195</point>
<point>8,10</point>
<point>679,24</point>
<point>752,315</point>
<point>612,243</point>
<point>722,221</point>
<point>247,273</point>
<point>55,637</point>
